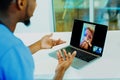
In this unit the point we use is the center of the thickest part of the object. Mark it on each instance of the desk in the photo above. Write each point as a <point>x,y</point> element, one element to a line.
<point>107,67</point>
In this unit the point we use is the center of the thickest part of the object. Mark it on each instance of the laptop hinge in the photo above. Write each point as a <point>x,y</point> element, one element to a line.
<point>84,51</point>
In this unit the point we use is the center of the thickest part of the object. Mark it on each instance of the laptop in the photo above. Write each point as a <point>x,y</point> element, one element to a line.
<point>88,40</point>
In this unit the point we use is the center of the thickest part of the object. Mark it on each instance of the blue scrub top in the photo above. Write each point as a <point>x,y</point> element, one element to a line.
<point>16,61</point>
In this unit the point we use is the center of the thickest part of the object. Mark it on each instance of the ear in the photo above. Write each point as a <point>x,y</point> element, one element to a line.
<point>21,4</point>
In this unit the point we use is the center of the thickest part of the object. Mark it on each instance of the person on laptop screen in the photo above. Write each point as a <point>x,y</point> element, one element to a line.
<point>87,36</point>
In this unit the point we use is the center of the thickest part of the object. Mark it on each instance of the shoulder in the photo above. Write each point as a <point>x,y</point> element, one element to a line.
<point>9,40</point>
<point>11,45</point>
<point>16,62</point>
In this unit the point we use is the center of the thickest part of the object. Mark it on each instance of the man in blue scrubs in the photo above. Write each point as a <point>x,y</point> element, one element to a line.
<point>16,62</point>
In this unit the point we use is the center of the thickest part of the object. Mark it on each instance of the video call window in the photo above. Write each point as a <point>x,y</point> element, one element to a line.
<point>87,36</point>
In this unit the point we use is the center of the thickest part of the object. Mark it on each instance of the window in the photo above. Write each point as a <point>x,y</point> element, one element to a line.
<point>99,11</point>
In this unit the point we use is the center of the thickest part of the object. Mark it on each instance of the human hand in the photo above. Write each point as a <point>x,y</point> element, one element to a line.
<point>64,61</point>
<point>84,45</point>
<point>46,42</point>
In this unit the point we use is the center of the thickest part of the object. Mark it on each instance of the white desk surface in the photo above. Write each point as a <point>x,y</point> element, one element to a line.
<point>105,68</point>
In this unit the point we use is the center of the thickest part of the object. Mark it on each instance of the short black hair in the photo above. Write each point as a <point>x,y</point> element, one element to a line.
<point>4,4</point>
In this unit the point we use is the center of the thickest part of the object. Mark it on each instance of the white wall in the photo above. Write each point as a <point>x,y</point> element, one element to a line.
<point>41,21</point>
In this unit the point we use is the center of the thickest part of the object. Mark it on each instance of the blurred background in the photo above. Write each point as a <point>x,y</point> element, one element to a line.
<point>100,11</point>
<point>58,15</point>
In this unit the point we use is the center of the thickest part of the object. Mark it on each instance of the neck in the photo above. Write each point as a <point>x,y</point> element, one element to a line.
<point>8,21</point>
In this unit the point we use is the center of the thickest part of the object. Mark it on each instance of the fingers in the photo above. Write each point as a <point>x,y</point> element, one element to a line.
<point>50,35</point>
<point>74,54</point>
<point>59,41</point>
<point>48,43</point>
<point>70,56</point>
<point>56,42</point>
<point>60,57</point>
<point>90,44</point>
<point>67,56</point>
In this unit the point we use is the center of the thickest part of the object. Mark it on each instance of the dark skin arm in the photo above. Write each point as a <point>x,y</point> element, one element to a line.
<point>63,63</point>
<point>45,43</point>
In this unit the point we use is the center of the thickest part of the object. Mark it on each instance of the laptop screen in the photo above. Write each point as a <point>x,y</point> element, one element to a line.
<point>88,36</point>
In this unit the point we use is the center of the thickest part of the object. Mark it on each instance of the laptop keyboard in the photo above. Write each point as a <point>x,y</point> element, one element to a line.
<point>80,60</point>
<point>77,63</point>
<point>80,54</point>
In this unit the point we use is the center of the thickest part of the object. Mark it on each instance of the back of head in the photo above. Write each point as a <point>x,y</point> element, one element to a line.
<point>4,4</point>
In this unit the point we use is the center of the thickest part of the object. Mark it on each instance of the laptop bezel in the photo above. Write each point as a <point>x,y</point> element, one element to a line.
<point>76,30</point>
